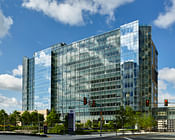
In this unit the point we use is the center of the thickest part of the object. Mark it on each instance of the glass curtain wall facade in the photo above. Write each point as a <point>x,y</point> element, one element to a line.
<point>42,84</point>
<point>129,39</point>
<point>28,84</point>
<point>89,68</point>
<point>148,73</point>
<point>25,84</point>
<point>107,69</point>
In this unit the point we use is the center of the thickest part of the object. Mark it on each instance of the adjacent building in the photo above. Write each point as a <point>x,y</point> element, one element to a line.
<point>117,68</point>
<point>165,117</point>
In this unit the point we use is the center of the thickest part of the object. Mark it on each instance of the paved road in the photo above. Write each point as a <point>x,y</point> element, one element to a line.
<point>68,137</point>
<point>138,137</point>
<point>151,137</point>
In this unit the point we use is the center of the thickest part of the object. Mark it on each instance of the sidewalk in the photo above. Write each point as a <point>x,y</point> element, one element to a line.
<point>25,134</point>
<point>73,137</point>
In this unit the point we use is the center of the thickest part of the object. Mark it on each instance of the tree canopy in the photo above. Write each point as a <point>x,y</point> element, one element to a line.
<point>127,118</point>
<point>53,118</point>
<point>3,117</point>
<point>26,118</point>
<point>14,118</point>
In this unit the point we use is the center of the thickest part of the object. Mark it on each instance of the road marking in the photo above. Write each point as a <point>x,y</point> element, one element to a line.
<point>128,138</point>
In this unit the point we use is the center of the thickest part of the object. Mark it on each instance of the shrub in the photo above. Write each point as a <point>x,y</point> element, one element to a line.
<point>57,129</point>
<point>79,126</point>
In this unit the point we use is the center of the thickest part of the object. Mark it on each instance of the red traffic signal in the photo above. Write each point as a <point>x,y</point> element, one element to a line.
<point>166,102</point>
<point>93,103</point>
<point>147,102</point>
<point>85,100</point>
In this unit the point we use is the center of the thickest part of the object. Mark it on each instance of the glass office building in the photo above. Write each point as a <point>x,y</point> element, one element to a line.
<point>117,68</point>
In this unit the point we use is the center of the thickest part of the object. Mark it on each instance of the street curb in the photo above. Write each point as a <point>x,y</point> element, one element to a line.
<point>24,134</point>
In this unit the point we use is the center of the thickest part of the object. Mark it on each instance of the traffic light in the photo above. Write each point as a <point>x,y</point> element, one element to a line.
<point>85,100</point>
<point>93,103</point>
<point>147,102</point>
<point>166,102</point>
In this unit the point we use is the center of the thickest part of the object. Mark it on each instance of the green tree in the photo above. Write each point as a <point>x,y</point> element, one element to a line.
<point>57,129</point>
<point>41,119</point>
<point>66,122</point>
<point>88,124</point>
<point>3,117</point>
<point>14,118</point>
<point>130,117</point>
<point>95,124</point>
<point>138,119</point>
<point>34,117</point>
<point>53,118</point>
<point>79,126</point>
<point>26,118</point>
<point>125,117</point>
<point>111,125</point>
<point>120,117</point>
<point>146,122</point>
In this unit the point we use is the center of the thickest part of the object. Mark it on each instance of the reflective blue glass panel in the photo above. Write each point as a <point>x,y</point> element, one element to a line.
<point>90,68</point>
<point>42,79</point>
<point>129,36</point>
<point>129,45</point>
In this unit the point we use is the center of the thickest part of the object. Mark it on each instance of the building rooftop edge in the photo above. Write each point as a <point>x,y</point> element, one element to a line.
<point>51,46</point>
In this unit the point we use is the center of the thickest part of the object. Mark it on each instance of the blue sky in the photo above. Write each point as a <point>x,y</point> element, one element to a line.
<point>27,26</point>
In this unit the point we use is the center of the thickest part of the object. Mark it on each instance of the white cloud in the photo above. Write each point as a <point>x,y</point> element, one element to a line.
<point>167,74</point>
<point>164,20</point>
<point>18,71</point>
<point>71,11</point>
<point>107,7</point>
<point>5,24</point>
<point>9,82</point>
<point>162,85</point>
<point>166,79</point>
<point>9,104</point>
